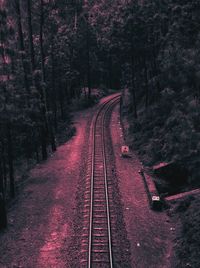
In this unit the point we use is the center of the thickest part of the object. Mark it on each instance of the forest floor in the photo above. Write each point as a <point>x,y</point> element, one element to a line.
<point>41,221</point>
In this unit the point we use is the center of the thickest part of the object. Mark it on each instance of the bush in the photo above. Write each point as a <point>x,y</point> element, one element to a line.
<point>83,103</point>
<point>187,246</point>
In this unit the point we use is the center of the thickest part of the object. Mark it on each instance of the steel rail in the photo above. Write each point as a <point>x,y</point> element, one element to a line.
<point>106,187</point>
<point>110,103</point>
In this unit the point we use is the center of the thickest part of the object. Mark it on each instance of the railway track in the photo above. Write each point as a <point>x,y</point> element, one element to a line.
<point>98,240</point>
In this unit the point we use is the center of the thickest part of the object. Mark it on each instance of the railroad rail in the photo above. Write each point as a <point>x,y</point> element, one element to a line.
<point>97,241</point>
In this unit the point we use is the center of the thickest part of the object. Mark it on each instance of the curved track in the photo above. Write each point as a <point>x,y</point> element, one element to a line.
<point>97,240</point>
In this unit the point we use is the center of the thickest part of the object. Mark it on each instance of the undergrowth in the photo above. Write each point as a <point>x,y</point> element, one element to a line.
<point>83,102</point>
<point>188,239</point>
<point>169,131</point>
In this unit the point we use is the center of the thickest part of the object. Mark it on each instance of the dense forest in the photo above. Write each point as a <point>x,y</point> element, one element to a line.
<point>51,50</point>
<point>46,59</point>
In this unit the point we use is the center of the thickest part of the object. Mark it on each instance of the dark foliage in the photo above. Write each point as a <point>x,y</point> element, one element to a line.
<point>187,242</point>
<point>156,45</point>
<point>49,58</point>
<point>51,50</point>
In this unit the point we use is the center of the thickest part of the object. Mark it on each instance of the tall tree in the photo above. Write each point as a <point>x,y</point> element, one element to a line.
<point>22,45</point>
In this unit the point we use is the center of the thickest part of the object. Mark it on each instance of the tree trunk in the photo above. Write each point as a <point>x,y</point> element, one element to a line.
<point>41,41</point>
<point>132,68</point>
<point>22,46</point>
<point>53,82</point>
<point>29,143</point>
<point>36,153</point>
<point>49,129</point>
<point>146,85</point>
<point>61,101</point>
<point>35,131</point>
<point>10,161</point>
<point>53,141</point>
<point>4,169</point>
<point>55,115</point>
<point>133,87</point>
<point>88,59</point>
<point>110,71</point>
<point>43,135</point>
<point>3,215</point>
<point>156,73</point>
<point>30,34</point>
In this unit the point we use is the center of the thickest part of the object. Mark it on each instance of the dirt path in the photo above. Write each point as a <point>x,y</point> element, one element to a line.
<point>41,221</point>
<point>148,231</point>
